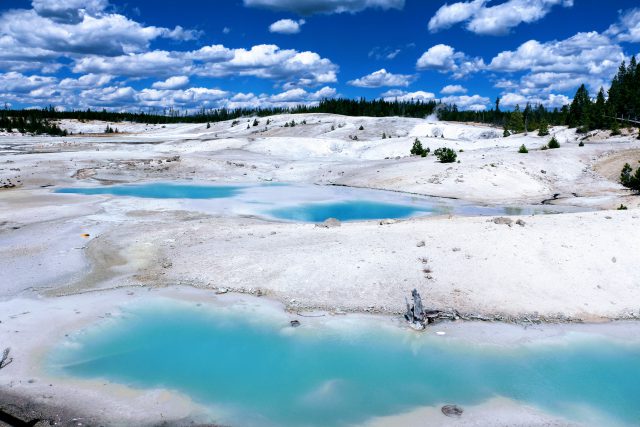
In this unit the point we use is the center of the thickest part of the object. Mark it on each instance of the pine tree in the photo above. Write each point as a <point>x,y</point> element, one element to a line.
<point>625,175</point>
<point>544,128</point>
<point>516,121</point>
<point>580,108</point>
<point>598,112</point>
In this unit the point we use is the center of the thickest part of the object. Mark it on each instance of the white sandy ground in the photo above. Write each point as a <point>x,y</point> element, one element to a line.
<point>34,326</point>
<point>577,264</point>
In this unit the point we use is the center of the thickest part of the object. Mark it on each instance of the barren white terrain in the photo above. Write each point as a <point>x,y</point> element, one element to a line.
<point>62,252</point>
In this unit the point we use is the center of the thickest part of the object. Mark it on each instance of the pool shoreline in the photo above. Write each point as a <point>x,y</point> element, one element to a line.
<point>112,398</point>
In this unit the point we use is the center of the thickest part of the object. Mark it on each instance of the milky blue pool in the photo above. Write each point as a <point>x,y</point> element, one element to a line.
<point>269,374</point>
<point>158,191</point>
<point>349,210</point>
<point>306,203</point>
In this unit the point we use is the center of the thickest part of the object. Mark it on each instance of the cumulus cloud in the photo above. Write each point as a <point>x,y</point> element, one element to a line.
<point>175,82</point>
<point>87,81</point>
<point>148,64</point>
<point>451,14</point>
<point>289,66</point>
<point>56,29</point>
<point>403,96</point>
<point>95,91</point>
<point>589,58</point>
<point>627,29</point>
<point>465,102</point>
<point>493,20</point>
<point>444,58</point>
<point>19,83</point>
<point>286,26</point>
<point>68,11</point>
<point>382,78</point>
<point>310,7</point>
<point>451,89</point>
<point>550,100</point>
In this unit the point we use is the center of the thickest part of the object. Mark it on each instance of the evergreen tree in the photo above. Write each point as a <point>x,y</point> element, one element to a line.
<point>544,128</point>
<point>580,108</point>
<point>553,143</point>
<point>516,121</point>
<point>598,112</point>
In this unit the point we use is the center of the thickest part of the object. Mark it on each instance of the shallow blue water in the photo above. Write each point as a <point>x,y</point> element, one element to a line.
<point>310,203</point>
<point>159,191</point>
<point>348,210</point>
<point>266,374</point>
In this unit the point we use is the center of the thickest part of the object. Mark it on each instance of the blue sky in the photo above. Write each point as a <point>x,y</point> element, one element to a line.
<point>245,53</point>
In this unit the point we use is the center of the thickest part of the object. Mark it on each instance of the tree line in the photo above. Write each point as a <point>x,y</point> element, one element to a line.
<point>28,121</point>
<point>585,114</point>
<point>38,120</point>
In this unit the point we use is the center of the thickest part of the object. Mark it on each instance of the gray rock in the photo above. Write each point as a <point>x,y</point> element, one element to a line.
<point>329,223</point>
<point>453,411</point>
<point>521,223</point>
<point>503,220</point>
<point>420,244</point>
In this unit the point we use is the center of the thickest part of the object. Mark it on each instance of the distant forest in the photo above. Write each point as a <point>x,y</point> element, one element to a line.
<point>583,113</point>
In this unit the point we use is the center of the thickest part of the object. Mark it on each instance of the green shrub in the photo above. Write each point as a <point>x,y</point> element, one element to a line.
<point>445,155</point>
<point>506,133</point>
<point>622,207</point>
<point>544,147</point>
<point>581,144</point>
<point>361,127</point>
<point>523,149</point>
<point>615,129</point>
<point>544,129</point>
<point>629,179</point>
<point>553,143</point>
<point>418,150</point>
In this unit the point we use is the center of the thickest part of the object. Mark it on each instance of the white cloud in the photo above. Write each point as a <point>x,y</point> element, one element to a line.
<point>444,58</point>
<point>60,29</point>
<point>175,82</point>
<point>493,20</point>
<point>286,26</point>
<point>589,58</point>
<point>627,29</point>
<point>68,11</point>
<point>13,82</point>
<point>309,7</point>
<point>451,89</point>
<point>87,81</point>
<point>382,78</point>
<point>403,96</point>
<point>550,100</point>
<point>465,102</point>
<point>148,64</point>
<point>288,66</point>
<point>451,14</point>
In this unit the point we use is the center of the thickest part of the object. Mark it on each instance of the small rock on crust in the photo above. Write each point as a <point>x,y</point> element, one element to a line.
<point>521,223</point>
<point>388,221</point>
<point>420,244</point>
<point>329,223</point>
<point>294,323</point>
<point>453,411</point>
<point>503,220</point>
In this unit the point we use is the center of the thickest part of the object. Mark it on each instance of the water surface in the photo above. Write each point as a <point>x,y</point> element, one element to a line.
<point>269,374</point>
<point>158,191</point>
<point>306,203</point>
